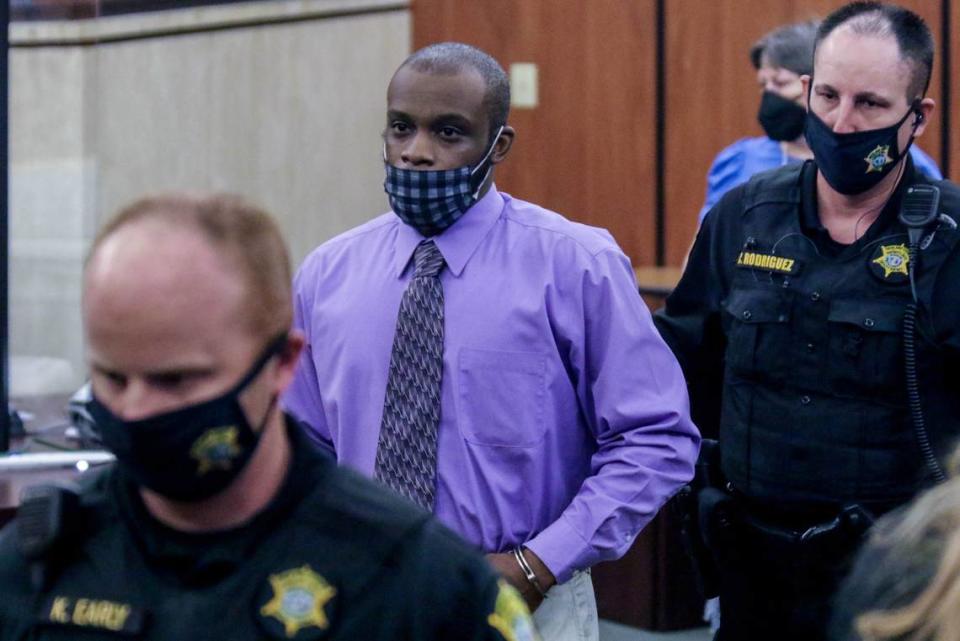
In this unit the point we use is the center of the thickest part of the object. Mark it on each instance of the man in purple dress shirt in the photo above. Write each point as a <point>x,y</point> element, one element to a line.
<point>564,422</point>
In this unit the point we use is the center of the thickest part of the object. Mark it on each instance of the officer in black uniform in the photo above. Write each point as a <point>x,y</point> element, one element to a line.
<point>220,519</point>
<point>818,328</point>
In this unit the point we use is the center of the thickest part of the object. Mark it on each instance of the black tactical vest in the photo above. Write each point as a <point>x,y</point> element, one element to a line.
<point>815,400</point>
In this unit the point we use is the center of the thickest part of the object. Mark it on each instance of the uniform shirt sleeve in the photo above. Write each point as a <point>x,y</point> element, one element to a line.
<point>634,399</point>
<point>302,398</point>
<point>945,310</point>
<point>690,321</point>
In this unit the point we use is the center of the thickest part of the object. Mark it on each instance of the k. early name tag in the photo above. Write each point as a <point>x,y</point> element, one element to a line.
<point>100,614</point>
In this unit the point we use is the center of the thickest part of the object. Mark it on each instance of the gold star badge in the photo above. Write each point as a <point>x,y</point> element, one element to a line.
<point>299,596</point>
<point>894,259</point>
<point>215,449</point>
<point>878,158</point>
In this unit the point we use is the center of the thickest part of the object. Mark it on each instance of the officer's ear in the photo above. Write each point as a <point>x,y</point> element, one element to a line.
<point>923,109</point>
<point>289,357</point>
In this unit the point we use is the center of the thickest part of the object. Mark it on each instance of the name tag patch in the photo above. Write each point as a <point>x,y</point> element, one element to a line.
<point>767,263</point>
<point>100,614</point>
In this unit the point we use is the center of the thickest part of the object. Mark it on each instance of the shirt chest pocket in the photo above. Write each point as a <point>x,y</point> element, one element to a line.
<point>865,345</point>
<point>501,397</point>
<point>758,334</point>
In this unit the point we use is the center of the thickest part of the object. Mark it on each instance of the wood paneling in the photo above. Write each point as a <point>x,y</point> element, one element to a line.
<point>712,97</point>
<point>587,150</point>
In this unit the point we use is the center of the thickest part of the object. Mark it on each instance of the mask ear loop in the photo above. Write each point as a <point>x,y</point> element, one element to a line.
<point>276,346</point>
<point>483,161</point>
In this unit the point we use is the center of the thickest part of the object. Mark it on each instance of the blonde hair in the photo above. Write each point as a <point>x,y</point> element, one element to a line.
<point>929,527</point>
<point>240,232</point>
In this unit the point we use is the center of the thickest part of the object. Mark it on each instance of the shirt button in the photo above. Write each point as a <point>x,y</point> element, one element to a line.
<point>815,296</point>
<point>747,314</point>
<point>805,400</point>
<point>869,322</point>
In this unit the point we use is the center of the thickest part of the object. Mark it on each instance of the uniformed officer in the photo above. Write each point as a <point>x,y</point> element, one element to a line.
<point>818,330</point>
<point>220,520</point>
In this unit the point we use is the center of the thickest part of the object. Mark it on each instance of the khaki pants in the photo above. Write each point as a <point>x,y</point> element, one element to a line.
<point>569,613</point>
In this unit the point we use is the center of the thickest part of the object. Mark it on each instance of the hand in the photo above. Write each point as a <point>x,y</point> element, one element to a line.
<point>509,569</point>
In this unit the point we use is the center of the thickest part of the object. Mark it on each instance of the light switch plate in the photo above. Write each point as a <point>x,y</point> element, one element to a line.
<point>523,85</point>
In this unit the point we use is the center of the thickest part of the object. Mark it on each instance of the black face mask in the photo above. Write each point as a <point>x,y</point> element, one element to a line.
<point>853,163</point>
<point>191,453</point>
<point>780,118</point>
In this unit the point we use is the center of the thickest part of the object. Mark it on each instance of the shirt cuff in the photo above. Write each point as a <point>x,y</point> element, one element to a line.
<point>562,549</point>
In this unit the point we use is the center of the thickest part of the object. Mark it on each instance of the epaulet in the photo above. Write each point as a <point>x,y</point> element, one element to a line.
<point>779,185</point>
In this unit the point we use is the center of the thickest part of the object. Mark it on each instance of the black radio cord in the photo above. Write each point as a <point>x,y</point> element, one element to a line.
<point>913,380</point>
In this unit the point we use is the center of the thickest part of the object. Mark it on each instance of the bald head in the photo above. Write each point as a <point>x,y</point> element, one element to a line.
<point>189,248</point>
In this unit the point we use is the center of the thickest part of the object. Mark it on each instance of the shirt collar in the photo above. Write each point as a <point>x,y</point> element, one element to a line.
<point>459,241</point>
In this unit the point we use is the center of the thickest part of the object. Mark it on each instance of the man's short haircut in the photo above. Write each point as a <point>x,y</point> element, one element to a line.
<point>789,47</point>
<point>878,19</point>
<point>448,58</point>
<point>243,234</point>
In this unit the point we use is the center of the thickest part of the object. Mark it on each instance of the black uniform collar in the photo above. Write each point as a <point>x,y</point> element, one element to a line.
<point>810,216</point>
<point>204,558</point>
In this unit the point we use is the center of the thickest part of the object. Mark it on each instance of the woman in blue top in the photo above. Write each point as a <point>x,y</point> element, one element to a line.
<point>780,58</point>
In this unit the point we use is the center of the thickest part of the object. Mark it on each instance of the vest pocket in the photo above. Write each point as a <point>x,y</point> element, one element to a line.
<point>866,345</point>
<point>501,397</point>
<point>758,332</point>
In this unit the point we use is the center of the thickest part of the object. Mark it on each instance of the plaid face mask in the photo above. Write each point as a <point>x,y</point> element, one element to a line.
<point>432,200</point>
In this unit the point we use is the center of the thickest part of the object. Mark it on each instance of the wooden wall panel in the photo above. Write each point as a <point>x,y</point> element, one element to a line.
<point>712,97</point>
<point>587,151</point>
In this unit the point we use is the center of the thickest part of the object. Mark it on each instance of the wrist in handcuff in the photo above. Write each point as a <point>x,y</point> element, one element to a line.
<point>528,572</point>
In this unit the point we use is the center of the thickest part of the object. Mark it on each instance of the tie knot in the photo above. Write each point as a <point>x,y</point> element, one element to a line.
<point>428,261</point>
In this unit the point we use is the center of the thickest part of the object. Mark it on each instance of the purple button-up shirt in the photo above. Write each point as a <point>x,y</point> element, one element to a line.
<point>564,421</point>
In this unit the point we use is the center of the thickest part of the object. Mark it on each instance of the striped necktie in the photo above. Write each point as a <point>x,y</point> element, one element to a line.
<point>407,449</point>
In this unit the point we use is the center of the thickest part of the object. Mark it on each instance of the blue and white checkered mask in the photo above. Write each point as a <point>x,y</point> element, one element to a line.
<point>432,200</point>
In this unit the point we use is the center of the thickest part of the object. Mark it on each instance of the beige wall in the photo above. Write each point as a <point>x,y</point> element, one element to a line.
<point>288,114</point>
